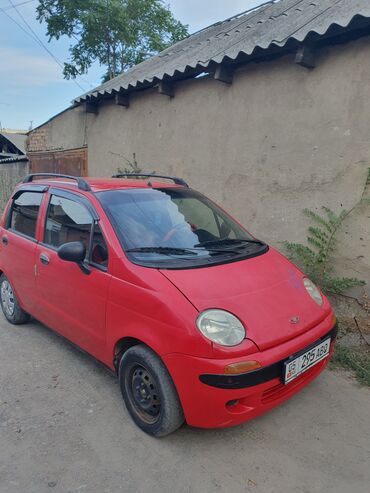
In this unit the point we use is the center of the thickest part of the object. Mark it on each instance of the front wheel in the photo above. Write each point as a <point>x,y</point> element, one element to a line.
<point>149,393</point>
<point>9,303</point>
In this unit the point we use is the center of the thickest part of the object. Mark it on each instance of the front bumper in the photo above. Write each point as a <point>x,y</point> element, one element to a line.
<point>211,399</point>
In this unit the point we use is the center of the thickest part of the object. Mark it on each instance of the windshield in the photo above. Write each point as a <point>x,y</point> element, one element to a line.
<point>175,228</point>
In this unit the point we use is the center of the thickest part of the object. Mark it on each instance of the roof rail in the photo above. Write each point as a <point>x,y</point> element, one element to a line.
<point>177,181</point>
<point>81,183</point>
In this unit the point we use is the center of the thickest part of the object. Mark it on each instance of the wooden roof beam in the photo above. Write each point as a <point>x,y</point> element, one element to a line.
<point>122,99</point>
<point>305,56</point>
<point>224,74</point>
<point>166,88</point>
<point>91,107</point>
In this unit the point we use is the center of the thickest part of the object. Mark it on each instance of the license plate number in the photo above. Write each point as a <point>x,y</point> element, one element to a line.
<point>300,364</point>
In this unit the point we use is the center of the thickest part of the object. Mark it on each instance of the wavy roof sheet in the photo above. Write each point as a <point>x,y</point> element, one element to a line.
<point>271,24</point>
<point>17,139</point>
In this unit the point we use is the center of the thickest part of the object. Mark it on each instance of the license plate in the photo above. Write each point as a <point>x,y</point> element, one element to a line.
<point>300,364</point>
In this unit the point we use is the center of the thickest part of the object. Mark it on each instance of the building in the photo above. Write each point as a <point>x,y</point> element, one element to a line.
<point>13,161</point>
<point>266,112</point>
<point>12,144</point>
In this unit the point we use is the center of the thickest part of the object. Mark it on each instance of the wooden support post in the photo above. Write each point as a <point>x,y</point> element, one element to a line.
<point>166,88</point>
<point>122,99</point>
<point>305,56</point>
<point>91,107</point>
<point>224,74</point>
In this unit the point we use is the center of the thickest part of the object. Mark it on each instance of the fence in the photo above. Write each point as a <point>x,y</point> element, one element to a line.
<point>10,174</point>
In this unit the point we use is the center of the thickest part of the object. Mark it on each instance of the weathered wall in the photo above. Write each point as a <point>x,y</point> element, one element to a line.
<point>279,139</point>
<point>10,175</point>
<point>66,131</point>
<point>60,144</point>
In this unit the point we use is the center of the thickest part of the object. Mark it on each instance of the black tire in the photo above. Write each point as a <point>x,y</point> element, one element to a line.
<point>149,393</point>
<point>9,303</point>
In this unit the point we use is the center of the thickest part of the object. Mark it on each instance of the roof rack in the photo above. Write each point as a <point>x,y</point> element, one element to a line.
<point>81,183</point>
<point>177,181</point>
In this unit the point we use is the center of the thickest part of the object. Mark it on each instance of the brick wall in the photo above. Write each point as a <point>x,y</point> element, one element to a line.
<point>38,139</point>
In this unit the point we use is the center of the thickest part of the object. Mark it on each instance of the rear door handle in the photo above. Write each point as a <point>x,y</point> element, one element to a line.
<point>5,240</point>
<point>44,259</point>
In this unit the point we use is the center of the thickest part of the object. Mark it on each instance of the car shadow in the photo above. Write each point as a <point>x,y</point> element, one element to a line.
<point>89,367</point>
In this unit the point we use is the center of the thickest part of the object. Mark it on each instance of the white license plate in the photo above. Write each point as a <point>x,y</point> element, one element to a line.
<point>302,363</point>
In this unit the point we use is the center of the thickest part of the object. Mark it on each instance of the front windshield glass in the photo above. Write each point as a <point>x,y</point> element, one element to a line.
<point>175,228</point>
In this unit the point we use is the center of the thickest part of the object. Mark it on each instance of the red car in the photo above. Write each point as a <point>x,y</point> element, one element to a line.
<point>202,322</point>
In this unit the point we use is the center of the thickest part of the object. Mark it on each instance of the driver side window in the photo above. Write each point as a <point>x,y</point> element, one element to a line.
<point>67,221</point>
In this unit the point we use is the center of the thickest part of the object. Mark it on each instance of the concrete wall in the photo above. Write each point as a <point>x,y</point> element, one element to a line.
<point>279,139</point>
<point>10,175</point>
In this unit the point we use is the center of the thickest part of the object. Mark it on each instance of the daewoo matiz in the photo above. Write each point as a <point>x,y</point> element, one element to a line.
<point>202,322</point>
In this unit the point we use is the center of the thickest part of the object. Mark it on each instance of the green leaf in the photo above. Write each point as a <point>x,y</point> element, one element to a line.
<point>115,33</point>
<point>321,236</point>
<point>317,218</point>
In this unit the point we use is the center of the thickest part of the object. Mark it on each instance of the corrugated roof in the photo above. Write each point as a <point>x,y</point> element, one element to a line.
<point>271,24</point>
<point>17,139</point>
<point>14,159</point>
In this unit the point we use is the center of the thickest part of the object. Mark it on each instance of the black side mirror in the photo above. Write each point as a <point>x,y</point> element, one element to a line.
<point>75,251</point>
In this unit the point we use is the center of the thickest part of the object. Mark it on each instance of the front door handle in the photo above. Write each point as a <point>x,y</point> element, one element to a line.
<point>44,259</point>
<point>4,240</point>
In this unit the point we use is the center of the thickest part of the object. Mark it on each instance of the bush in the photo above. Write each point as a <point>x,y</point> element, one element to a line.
<point>315,258</point>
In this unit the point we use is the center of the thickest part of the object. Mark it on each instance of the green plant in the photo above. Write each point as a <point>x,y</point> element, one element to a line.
<point>315,258</point>
<point>354,360</point>
<point>117,34</point>
<point>132,167</point>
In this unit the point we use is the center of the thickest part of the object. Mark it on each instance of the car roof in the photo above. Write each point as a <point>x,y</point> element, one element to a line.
<point>104,184</point>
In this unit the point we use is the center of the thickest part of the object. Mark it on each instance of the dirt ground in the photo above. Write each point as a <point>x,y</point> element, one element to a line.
<point>64,428</point>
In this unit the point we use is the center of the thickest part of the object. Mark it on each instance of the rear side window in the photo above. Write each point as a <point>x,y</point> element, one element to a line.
<point>24,213</point>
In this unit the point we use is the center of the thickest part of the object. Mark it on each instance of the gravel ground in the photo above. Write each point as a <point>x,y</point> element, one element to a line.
<point>64,428</point>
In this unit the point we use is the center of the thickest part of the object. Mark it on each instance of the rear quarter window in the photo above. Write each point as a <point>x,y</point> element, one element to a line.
<point>24,213</point>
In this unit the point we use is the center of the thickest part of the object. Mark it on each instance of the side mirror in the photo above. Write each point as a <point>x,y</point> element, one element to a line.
<point>75,251</point>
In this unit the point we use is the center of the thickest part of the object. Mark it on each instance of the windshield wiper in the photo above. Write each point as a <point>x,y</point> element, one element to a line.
<point>229,241</point>
<point>163,250</point>
<point>180,251</point>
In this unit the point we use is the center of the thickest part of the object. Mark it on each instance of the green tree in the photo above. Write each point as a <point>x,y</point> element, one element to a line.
<point>116,33</point>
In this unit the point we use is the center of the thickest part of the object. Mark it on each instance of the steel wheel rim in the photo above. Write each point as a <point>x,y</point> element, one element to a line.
<point>7,298</point>
<point>144,394</point>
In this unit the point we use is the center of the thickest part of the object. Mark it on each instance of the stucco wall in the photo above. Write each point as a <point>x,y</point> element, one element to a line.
<point>279,139</point>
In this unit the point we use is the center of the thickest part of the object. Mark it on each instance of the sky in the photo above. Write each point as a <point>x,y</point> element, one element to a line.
<point>32,87</point>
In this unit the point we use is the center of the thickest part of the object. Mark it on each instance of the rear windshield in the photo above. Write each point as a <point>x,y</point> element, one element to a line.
<point>175,228</point>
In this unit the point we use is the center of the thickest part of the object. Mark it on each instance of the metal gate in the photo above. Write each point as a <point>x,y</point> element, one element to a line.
<point>71,162</point>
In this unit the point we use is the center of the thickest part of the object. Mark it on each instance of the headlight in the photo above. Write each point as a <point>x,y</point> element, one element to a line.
<point>221,327</point>
<point>313,291</point>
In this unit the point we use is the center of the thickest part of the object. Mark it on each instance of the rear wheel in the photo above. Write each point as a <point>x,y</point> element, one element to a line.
<point>9,303</point>
<point>149,393</point>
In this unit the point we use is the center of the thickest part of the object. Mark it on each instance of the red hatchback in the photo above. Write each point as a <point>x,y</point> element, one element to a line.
<point>202,322</point>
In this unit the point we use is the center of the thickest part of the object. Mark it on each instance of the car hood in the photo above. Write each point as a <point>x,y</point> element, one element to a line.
<point>266,293</point>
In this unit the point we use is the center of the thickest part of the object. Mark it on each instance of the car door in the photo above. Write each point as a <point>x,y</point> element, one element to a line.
<point>72,300</point>
<point>18,244</point>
